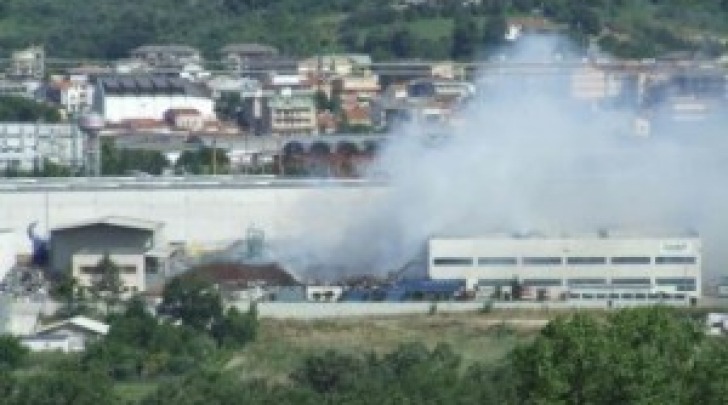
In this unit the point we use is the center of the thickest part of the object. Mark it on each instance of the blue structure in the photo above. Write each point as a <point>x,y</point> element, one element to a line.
<point>408,290</point>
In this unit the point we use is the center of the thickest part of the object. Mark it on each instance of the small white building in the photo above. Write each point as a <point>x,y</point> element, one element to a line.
<point>24,146</point>
<point>585,267</point>
<point>323,293</point>
<point>122,98</point>
<point>69,335</point>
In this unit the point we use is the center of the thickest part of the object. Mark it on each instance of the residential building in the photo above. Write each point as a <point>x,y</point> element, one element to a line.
<point>73,93</point>
<point>356,89</point>
<point>167,55</point>
<point>590,267</point>
<point>120,98</point>
<point>593,84</point>
<point>67,336</point>
<point>338,64</point>
<point>289,113</point>
<point>136,246</point>
<point>26,146</point>
<point>244,57</point>
<point>28,63</point>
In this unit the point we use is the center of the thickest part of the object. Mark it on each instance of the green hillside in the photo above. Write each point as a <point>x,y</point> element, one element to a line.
<point>387,29</point>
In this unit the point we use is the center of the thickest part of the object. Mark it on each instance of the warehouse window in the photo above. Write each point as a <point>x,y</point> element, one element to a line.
<point>497,261</point>
<point>495,282</point>
<point>453,261</point>
<point>675,260</point>
<point>685,284</point>
<point>632,260</point>
<point>542,282</point>
<point>542,261</point>
<point>586,260</point>
<point>586,281</point>
<point>631,281</point>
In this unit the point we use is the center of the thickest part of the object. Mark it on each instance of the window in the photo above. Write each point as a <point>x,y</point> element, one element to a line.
<point>497,261</point>
<point>632,260</point>
<point>601,296</point>
<point>127,269</point>
<point>586,260</point>
<point>631,281</point>
<point>541,261</point>
<point>542,282</point>
<point>685,284</point>
<point>640,296</point>
<point>675,260</point>
<point>453,261</point>
<point>627,296</point>
<point>495,282</point>
<point>614,296</point>
<point>89,270</point>
<point>587,296</point>
<point>586,281</point>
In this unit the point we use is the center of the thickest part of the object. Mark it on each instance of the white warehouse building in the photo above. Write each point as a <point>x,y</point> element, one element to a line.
<point>149,97</point>
<point>598,266</point>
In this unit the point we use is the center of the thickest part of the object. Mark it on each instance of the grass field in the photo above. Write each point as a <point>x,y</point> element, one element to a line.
<point>282,345</point>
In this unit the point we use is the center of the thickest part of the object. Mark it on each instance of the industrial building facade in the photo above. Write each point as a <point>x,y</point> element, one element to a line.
<point>584,267</point>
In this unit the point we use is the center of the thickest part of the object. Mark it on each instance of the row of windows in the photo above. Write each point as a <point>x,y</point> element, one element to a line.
<point>627,296</point>
<point>557,261</point>
<point>682,283</point>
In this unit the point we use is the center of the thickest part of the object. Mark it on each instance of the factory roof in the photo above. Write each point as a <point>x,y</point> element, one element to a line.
<point>124,222</point>
<point>149,84</point>
<point>81,322</point>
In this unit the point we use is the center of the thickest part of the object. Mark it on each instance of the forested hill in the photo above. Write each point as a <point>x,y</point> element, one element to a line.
<point>386,29</point>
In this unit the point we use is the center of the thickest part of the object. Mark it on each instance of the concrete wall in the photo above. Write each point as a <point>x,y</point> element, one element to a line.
<point>95,238</point>
<point>132,271</point>
<point>203,215</point>
<point>7,252</point>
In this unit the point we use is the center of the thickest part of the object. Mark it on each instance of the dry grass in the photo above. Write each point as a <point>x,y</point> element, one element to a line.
<point>282,345</point>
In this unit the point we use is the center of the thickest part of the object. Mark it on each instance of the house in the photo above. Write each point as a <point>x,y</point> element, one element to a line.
<point>74,93</point>
<point>337,64</point>
<point>131,97</point>
<point>185,118</point>
<point>356,115</point>
<point>136,246</point>
<point>355,89</point>
<point>243,57</point>
<point>167,55</point>
<point>28,63</point>
<point>69,335</point>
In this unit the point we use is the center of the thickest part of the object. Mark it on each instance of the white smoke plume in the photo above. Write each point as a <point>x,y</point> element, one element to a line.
<point>524,157</point>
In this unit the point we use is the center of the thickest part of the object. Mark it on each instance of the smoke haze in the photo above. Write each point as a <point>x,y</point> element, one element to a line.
<point>526,157</point>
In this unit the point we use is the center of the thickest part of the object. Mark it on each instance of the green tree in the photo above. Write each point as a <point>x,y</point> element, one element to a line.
<point>107,283</point>
<point>21,109</point>
<point>236,329</point>
<point>465,38</point>
<point>194,301</point>
<point>12,352</point>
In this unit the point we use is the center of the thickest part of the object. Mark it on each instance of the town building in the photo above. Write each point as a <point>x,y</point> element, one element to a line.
<point>73,93</point>
<point>28,63</point>
<point>67,336</point>
<point>27,146</point>
<point>162,56</point>
<point>338,64</point>
<point>136,246</point>
<point>248,57</point>
<point>590,267</point>
<point>120,98</point>
<point>284,105</point>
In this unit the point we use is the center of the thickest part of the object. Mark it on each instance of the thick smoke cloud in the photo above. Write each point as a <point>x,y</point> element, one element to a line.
<point>525,157</point>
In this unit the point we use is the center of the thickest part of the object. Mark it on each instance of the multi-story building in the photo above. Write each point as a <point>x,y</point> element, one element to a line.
<point>74,93</point>
<point>26,146</point>
<point>289,113</point>
<point>341,64</point>
<point>591,267</point>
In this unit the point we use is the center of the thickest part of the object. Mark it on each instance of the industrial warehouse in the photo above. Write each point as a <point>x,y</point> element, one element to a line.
<point>600,266</point>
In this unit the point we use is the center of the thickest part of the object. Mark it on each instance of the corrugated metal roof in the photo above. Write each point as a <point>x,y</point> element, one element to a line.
<point>125,222</point>
<point>79,321</point>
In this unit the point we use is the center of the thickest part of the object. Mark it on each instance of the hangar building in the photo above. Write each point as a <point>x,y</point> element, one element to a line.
<point>598,266</point>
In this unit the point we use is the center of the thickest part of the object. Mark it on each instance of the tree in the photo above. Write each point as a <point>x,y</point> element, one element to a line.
<point>464,38</point>
<point>635,355</point>
<point>192,300</point>
<point>13,108</point>
<point>107,283</point>
<point>236,329</point>
<point>12,352</point>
